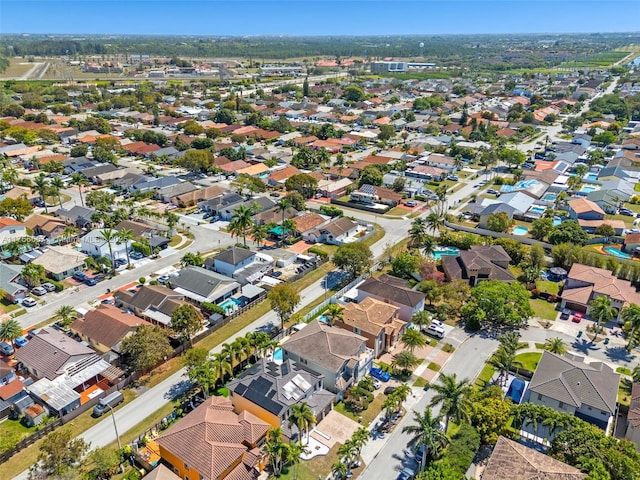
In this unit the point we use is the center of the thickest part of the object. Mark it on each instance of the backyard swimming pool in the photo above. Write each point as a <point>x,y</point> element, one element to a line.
<point>230,304</point>
<point>440,252</point>
<point>520,230</point>
<point>591,176</point>
<point>588,189</point>
<point>550,197</point>
<point>277,355</point>
<point>537,209</point>
<point>614,252</point>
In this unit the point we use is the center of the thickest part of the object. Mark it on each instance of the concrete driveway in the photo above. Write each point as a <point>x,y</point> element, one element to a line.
<point>334,428</point>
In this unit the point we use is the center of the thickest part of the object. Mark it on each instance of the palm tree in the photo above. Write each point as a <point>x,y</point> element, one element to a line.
<point>259,234</point>
<point>339,470</point>
<point>125,236</point>
<point>204,375</point>
<point>413,339</point>
<point>636,373</point>
<point>434,222</point>
<point>406,361</point>
<point>231,352</point>
<point>333,313</point>
<point>631,316</point>
<point>427,434</point>
<point>418,232</point>
<point>66,313</point>
<point>556,345</point>
<point>221,366</point>
<point>454,397</point>
<point>9,176</point>
<point>276,449</point>
<point>41,187</point>
<point>602,312</point>
<point>109,235</point>
<point>502,361</point>
<point>288,227</point>
<point>302,417</point>
<point>509,341</point>
<point>57,185</point>
<point>70,232</point>
<point>243,348</point>
<point>10,330</point>
<point>360,438</point>
<point>243,219</point>
<point>294,450</point>
<point>172,220</point>
<point>347,453</point>
<point>79,180</point>
<point>283,205</point>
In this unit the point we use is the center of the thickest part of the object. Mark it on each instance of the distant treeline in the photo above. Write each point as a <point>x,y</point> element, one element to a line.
<point>538,50</point>
<point>4,64</point>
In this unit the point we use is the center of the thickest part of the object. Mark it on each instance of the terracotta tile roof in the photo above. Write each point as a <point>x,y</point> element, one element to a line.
<point>633,417</point>
<point>513,460</point>
<point>281,175</point>
<point>599,281</point>
<point>582,205</point>
<point>9,222</point>
<point>307,221</point>
<point>212,438</point>
<point>107,325</point>
<point>376,159</point>
<point>234,166</point>
<point>632,238</point>
<point>251,170</point>
<point>10,389</point>
<point>393,289</point>
<point>370,315</point>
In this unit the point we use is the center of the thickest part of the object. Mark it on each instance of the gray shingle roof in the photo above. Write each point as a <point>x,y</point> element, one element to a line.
<point>201,281</point>
<point>387,287</point>
<point>234,255</point>
<point>568,379</point>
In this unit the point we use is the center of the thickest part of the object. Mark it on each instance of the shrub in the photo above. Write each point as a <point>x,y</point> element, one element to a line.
<point>142,248</point>
<point>316,251</point>
<point>463,447</point>
<point>154,282</point>
<point>142,280</point>
<point>59,286</point>
<point>420,198</point>
<point>210,308</point>
<point>331,211</point>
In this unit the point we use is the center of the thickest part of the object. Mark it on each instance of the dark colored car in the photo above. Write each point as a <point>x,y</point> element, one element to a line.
<point>79,276</point>
<point>91,282</point>
<point>6,348</point>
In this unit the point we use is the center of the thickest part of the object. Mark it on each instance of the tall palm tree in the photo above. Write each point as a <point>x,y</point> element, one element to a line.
<point>242,222</point>
<point>502,361</point>
<point>405,361</point>
<point>333,313</point>
<point>427,434</point>
<point>302,417</point>
<point>631,316</point>
<point>57,185</point>
<point>70,232</point>
<point>556,345</point>
<point>231,352</point>
<point>41,187</point>
<point>243,349</point>
<point>221,366</point>
<point>347,453</point>
<point>288,227</point>
<point>360,438</point>
<point>294,450</point>
<point>259,234</point>
<point>9,176</point>
<point>434,222</point>
<point>281,207</point>
<point>454,397</point>
<point>66,313</point>
<point>110,236</point>
<point>418,232</point>
<point>339,470</point>
<point>79,180</point>
<point>276,449</point>
<point>413,339</point>
<point>125,236</point>
<point>635,374</point>
<point>602,312</point>
<point>172,220</point>
<point>10,330</point>
<point>204,376</point>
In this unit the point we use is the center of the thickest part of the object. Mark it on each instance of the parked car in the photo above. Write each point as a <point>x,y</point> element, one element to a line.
<point>29,302</point>
<point>39,291</point>
<point>20,342</point>
<point>389,390</point>
<point>6,348</point>
<point>49,287</point>
<point>275,194</point>
<point>411,203</point>
<point>379,374</point>
<point>626,212</point>
<point>453,178</point>
<point>566,313</point>
<point>376,384</point>
<point>491,191</point>
<point>214,219</point>
<point>577,317</point>
<point>136,255</point>
<point>435,331</point>
<point>110,401</point>
<point>91,281</point>
<point>79,276</point>
<point>406,474</point>
<point>119,262</point>
<point>163,278</point>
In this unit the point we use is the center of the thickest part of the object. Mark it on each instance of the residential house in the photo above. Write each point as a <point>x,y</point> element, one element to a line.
<point>307,221</point>
<point>140,229</point>
<point>45,225</point>
<point>336,232</point>
<point>7,374</point>
<point>631,243</point>
<point>76,215</point>
<point>268,390</point>
<point>342,357</point>
<point>22,192</point>
<point>494,209</point>
<point>441,161</point>
<point>215,442</point>
<point>161,473</point>
<point>569,385</point>
<point>511,459</point>
<point>146,184</point>
<point>61,262</point>
<point>370,194</point>
<point>202,285</point>
<point>583,209</point>
<point>65,369</point>
<point>10,282</point>
<point>478,263</point>
<point>240,264</point>
<point>393,290</point>
<point>193,197</point>
<point>279,177</point>
<point>105,327</point>
<point>10,392</point>
<point>632,433</point>
<point>334,188</point>
<point>260,204</point>
<point>585,283</point>
<point>154,303</point>
<point>11,230</point>
<point>95,245</point>
<point>217,204</point>
<point>609,199</point>
<point>377,321</point>
<point>166,194</point>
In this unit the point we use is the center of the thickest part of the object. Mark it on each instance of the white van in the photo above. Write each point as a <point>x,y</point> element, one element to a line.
<point>111,400</point>
<point>435,331</point>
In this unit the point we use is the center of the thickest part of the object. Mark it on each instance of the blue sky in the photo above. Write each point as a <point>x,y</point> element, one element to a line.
<point>318,17</point>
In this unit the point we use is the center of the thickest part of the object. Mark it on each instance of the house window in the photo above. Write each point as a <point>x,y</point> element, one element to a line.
<point>12,231</point>
<point>356,330</point>
<point>540,397</point>
<point>561,405</point>
<point>186,467</point>
<point>603,413</point>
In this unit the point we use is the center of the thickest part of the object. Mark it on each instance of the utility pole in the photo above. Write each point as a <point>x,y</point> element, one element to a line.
<point>115,427</point>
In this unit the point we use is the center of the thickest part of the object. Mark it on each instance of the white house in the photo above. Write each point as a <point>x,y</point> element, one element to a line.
<point>95,245</point>
<point>11,230</point>
<point>240,264</point>
<point>336,232</point>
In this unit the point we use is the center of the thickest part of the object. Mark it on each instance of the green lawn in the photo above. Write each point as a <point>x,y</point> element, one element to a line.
<point>317,467</point>
<point>623,371</point>
<point>548,286</point>
<point>528,360</point>
<point>433,366</point>
<point>485,375</point>
<point>448,348</point>
<point>11,432</point>
<point>543,309</point>
<point>420,382</point>
<point>367,415</point>
<point>624,392</point>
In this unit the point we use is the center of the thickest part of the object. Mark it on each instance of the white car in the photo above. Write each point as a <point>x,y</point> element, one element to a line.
<point>437,323</point>
<point>435,331</point>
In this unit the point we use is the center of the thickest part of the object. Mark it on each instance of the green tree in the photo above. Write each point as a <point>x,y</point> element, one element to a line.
<point>224,115</point>
<point>259,233</point>
<point>355,258</point>
<point>197,160</point>
<point>513,158</point>
<point>79,180</point>
<point>370,175</point>
<point>406,361</point>
<point>605,230</point>
<point>499,222</point>
<point>426,433</point>
<point>404,264</point>
<point>303,418</point>
<point>33,274</point>
<point>540,228</point>
<point>413,339</point>
<point>454,396</point>
<point>242,222</point>
<point>630,314</point>
<point>18,208</point>
<point>103,462</point>
<point>67,314</point>
<point>110,237</point>
<point>418,233</point>
<point>568,231</point>
<point>302,183</point>
<point>353,93</point>
<point>59,455</point>
<point>334,313</point>
<point>41,187</point>
<point>125,236</point>
<point>10,330</point>
<point>101,200</point>
<point>387,132</point>
<point>283,299</point>
<point>191,258</point>
<point>145,347</point>
<point>491,415</point>
<point>497,304</point>
<point>601,311</point>
<point>556,345</point>
<point>275,449</point>
<point>186,320</point>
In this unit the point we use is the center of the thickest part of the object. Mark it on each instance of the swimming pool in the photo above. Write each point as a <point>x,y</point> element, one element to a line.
<point>588,189</point>
<point>614,252</point>
<point>591,176</point>
<point>550,197</point>
<point>277,355</point>
<point>230,304</point>
<point>537,209</point>
<point>440,252</point>
<point>520,230</point>
<point>556,221</point>
<point>323,319</point>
